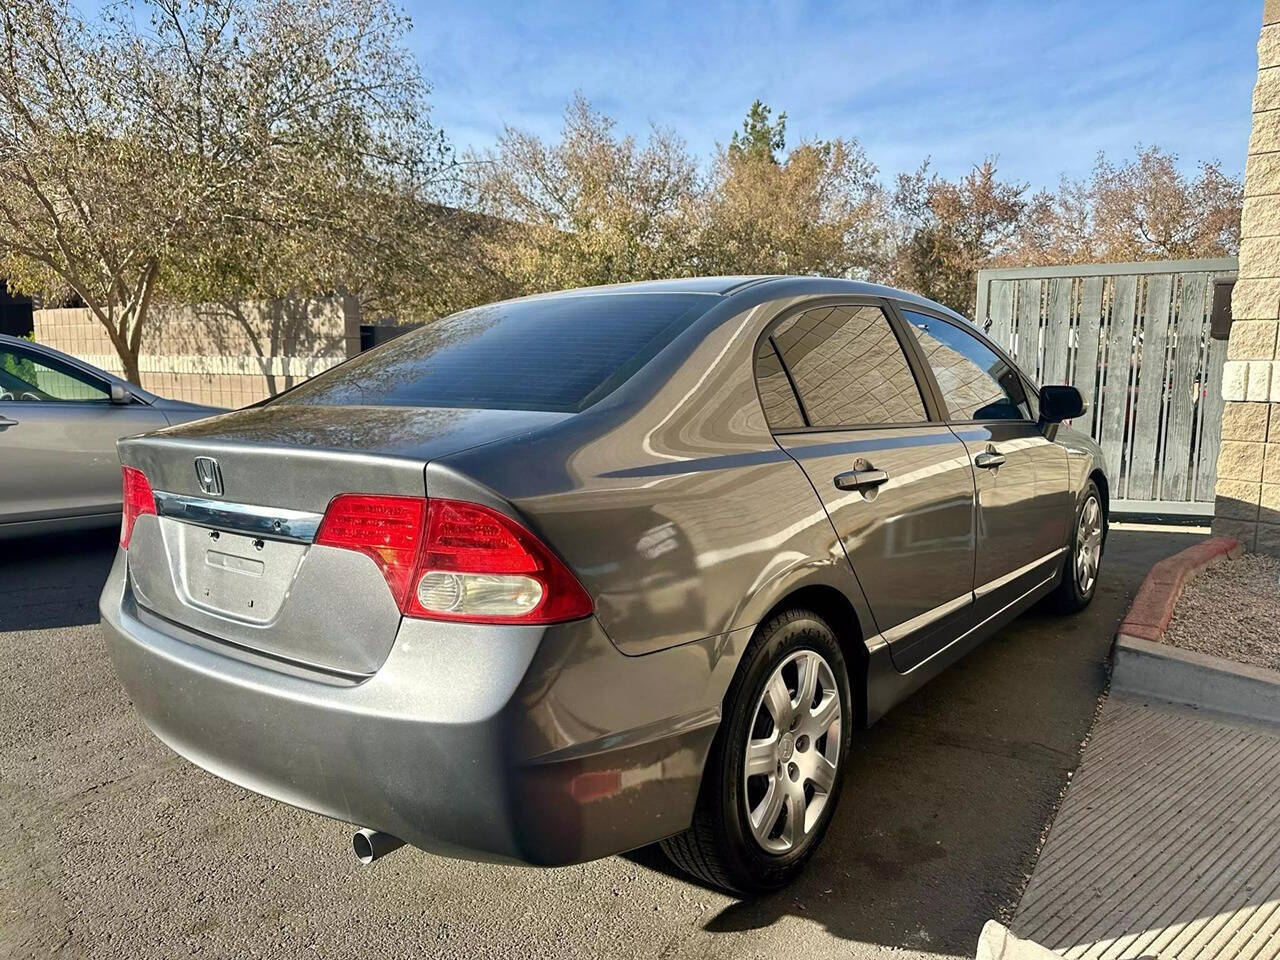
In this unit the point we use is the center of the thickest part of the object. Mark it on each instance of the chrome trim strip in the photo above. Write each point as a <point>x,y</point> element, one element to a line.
<point>269,523</point>
<point>923,620</point>
<point>920,621</point>
<point>993,585</point>
<point>978,626</point>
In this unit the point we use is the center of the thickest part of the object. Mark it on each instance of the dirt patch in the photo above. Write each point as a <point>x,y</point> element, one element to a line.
<point>1232,610</point>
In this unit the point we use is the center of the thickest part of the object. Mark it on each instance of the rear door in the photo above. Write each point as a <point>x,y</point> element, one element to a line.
<point>897,485</point>
<point>58,432</point>
<point>1024,502</point>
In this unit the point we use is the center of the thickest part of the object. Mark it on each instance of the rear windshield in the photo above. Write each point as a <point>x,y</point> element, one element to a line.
<point>560,354</point>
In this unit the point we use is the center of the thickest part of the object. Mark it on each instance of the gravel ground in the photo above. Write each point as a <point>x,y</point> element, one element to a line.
<point>1232,610</point>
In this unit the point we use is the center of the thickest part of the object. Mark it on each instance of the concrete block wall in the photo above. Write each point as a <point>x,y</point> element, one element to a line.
<point>1247,505</point>
<point>226,355</point>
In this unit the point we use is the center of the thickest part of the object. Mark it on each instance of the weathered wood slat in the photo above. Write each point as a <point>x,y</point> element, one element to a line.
<point>1028,341</point>
<point>1151,385</point>
<point>1057,331</point>
<point>1085,376</point>
<point>1001,313</point>
<point>1134,339</point>
<point>1115,389</point>
<point>1211,423</point>
<point>1183,389</point>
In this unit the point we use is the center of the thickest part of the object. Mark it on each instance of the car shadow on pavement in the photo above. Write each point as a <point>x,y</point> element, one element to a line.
<point>947,798</point>
<point>54,580</point>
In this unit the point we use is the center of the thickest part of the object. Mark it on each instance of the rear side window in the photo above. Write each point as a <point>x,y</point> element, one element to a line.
<point>975,383</point>
<point>559,354</point>
<point>848,368</point>
<point>781,408</point>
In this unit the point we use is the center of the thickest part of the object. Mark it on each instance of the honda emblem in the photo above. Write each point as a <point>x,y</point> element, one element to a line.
<point>209,476</point>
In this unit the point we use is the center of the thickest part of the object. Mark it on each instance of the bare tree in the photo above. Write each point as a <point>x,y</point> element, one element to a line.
<point>591,208</point>
<point>1141,209</point>
<point>948,230</point>
<point>210,149</point>
<point>817,209</point>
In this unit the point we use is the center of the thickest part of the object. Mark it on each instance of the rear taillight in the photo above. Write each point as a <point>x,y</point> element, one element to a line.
<point>138,499</point>
<point>387,529</point>
<point>452,560</point>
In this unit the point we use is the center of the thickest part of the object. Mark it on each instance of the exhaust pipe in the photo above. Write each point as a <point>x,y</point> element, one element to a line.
<point>371,845</point>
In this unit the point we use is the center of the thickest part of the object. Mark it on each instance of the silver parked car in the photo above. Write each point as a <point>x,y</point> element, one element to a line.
<point>560,577</point>
<point>60,419</point>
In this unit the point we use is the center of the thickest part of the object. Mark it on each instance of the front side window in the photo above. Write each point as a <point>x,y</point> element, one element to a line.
<point>976,384</point>
<point>848,368</point>
<point>30,377</point>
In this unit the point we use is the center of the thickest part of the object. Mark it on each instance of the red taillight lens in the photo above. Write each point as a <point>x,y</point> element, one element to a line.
<point>138,499</point>
<point>452,560</point>
<point>480,565</point>
<point>388,529</point>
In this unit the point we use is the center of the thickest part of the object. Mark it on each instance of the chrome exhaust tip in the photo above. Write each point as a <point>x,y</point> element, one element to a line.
<point>370,845</point>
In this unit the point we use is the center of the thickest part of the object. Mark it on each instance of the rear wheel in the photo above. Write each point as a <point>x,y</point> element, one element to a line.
<point>774,773</point>
<point>1084,555</point>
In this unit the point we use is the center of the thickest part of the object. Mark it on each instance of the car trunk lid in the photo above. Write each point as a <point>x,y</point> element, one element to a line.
<point>239,498</point>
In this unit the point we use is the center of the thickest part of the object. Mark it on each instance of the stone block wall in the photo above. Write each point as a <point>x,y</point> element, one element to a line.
<point>1248,489</point>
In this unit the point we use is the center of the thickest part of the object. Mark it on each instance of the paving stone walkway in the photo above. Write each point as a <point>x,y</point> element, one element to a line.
<point>1167,843</point>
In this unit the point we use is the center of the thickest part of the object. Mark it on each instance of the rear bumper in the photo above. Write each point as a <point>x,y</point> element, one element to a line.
<point>537,745</point>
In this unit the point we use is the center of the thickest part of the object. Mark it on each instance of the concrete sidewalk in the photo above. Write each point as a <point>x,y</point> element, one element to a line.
<point>1167,844</point>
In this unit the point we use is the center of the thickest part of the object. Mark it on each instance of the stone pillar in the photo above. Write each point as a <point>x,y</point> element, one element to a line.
<point>1248,490</point>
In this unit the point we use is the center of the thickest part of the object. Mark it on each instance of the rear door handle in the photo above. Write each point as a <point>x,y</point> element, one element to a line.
<point>6,422</point>
<point>988,460</point>
<point>860,479</point>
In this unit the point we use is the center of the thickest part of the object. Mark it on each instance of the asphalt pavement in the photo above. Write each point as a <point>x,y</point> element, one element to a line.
<point>114,847</point>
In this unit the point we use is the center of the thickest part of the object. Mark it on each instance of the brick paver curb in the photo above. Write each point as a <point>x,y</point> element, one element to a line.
<point>1152,610</point>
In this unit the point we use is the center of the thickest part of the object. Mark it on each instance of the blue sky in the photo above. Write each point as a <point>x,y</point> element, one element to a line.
<point>1043,85</point>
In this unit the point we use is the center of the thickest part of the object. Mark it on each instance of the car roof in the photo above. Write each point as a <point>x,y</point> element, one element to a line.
<point>780,285</point>
<point>707,285</point>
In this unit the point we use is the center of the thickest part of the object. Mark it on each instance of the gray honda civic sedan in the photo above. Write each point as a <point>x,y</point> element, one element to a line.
<point>559,577</point>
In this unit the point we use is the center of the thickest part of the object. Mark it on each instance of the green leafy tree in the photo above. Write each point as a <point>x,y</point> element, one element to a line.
<point>212,149</point>
<point>761,138</point>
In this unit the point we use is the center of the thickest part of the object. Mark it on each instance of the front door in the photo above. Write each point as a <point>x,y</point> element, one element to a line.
<point>898,488</point>
<point>1024,501</point>
<point>58,432</point>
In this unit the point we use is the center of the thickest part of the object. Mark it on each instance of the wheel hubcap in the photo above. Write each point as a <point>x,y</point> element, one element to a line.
<point>1088,544</point>
<point>793,751</point>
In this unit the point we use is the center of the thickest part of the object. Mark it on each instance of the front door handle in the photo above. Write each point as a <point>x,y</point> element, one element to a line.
<point>6,422</point>
<point>988,460</point>
<point>860,479</point>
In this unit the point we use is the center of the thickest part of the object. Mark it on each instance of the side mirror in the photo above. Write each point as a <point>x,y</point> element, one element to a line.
<point>1060,403</point>
<point>120,395</point>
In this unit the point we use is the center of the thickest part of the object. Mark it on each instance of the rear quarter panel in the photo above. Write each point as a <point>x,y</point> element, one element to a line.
<point>670,499</point>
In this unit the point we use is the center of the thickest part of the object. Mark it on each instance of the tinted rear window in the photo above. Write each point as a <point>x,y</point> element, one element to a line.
<point>560,354</point>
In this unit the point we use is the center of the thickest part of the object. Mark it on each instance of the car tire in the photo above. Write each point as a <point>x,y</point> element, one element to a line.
<point>723,847</point>
<point>1084,553</point>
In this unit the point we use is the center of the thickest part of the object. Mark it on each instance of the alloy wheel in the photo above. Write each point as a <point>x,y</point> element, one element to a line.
<point>793,751</point>
<point>1088,544</point>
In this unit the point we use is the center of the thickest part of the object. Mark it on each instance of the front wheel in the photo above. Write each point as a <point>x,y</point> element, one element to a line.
<point>774,773</point>
<point>1084,554</point>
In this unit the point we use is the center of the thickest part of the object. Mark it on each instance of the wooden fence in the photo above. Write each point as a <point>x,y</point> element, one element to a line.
<point>1134,338</point>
